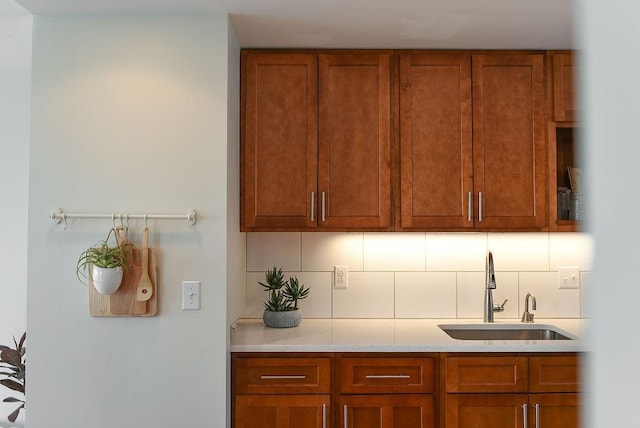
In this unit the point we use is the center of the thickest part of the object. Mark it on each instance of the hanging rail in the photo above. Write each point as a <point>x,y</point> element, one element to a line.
<point>59,216</point>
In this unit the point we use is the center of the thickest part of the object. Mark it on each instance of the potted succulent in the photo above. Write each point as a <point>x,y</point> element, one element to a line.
<point>107,266</point>
<point>13,368</point>
<point>281,308</point>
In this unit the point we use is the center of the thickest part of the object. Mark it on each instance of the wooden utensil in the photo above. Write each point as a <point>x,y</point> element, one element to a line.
<point>145,288</point>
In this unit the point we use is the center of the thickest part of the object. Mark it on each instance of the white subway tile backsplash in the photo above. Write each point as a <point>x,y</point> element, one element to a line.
<point>369,295</point>
<point>255,295</point>
<point>422,275</point>
<point>322,251</point>
<point>455,252</point>
<point>470,294</point>
<point>570,249</point>
<point>425,295</point>
<point>318,304</point>
<point>266,249</point>
<point>519,251</point>
<point>393,252</point>
<point>552,302</point>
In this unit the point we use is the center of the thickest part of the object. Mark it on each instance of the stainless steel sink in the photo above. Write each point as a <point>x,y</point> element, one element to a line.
<point>504,332</point>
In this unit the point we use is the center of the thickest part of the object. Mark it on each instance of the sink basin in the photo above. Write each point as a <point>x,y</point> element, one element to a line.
<point>502,332</point>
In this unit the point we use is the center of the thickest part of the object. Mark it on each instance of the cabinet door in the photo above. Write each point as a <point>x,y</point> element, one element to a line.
<point>509,140</point>
<point>282,411</point>
<point>435,141</point>
<point>485,411</point>
<point>279,140</point>
<point>554,410</point>
<point>387,411</point>
<point>486,374</point>
<point>564,102</point>
<point>554,374</point>
<point>354,141</point>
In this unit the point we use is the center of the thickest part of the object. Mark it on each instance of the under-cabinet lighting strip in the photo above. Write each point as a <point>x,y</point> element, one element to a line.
<point>59,216</point>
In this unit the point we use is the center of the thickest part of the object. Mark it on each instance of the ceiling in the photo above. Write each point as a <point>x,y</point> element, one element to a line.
<point>433,24</point>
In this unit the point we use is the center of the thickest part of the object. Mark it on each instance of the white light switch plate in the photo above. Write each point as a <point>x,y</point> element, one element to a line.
<point>190,295</point>
<point>568,277</point>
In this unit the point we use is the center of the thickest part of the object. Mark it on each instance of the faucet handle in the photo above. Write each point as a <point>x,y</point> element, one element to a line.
<point>500,308</point>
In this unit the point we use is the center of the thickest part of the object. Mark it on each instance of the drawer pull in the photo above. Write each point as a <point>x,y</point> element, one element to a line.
<point>283,377</point>
<point>402,376</point>
<point>324,415</point>
<point>323,209</point>
<point>346,416</point>
<point>524,415</point>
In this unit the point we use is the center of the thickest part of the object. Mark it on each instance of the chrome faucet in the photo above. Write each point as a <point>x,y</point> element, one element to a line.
<point>526,316</point>
<point>489,286</point>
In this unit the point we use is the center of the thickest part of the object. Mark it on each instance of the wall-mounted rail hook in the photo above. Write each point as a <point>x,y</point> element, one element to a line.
<point>57,215</point>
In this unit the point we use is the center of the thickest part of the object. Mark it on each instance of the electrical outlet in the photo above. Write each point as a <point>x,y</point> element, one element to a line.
<point>340,276</point>
<point>190,295</point>
<point>568,277</point>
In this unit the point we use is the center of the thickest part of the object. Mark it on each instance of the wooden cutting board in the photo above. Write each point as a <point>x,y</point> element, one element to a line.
<point>123,302</point>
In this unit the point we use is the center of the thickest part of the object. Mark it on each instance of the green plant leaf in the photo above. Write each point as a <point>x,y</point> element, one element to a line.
<point>12,384</point>
<point>11,356</point>
<point>14,415</point>
<point>20,346</point>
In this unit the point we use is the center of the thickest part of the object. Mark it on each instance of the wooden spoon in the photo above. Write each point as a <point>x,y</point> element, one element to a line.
<point>145,288</point>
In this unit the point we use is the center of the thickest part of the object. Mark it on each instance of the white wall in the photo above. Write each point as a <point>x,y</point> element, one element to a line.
<point>422,275</point>
<point>130,115</point>
<point>15,102</point>
<point>610,38</point>
<point>236,241</point>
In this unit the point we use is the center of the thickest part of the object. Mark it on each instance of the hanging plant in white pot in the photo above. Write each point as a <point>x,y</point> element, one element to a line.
<point>107,265</point>
<point>281,309</point>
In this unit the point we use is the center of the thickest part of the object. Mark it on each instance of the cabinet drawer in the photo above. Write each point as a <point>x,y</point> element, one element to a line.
<point>386,375</point>
<point>282,375</point>
<point>265,411</point>
<point>486,374</point>
<point>554,374</point>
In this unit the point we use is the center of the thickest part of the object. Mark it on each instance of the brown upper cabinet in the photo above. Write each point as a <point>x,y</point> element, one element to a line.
<point>564,101</point>
<point>472,141</point>
<point>563,141</point>
<point>315,141</point>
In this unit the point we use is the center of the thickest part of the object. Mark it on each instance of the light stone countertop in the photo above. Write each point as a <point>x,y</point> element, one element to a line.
<point>394,335</point>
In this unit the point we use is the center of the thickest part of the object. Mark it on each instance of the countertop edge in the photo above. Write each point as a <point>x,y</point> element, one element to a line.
<point>391,335</point>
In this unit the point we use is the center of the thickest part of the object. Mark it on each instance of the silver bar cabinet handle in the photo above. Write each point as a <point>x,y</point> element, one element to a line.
<point>346,416</point>
<point>537,415</point>
<point>402,376</point>
<point>323,217</point>
<point>313,205</point>
<point>470,207</point>
<point>480,210</point>
<point>524,414</point>
<point>324,415</point>
<point>283,377</point>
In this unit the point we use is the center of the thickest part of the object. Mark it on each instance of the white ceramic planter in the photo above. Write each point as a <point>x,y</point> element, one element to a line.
<point>284,319</point>
<point>106,280</point>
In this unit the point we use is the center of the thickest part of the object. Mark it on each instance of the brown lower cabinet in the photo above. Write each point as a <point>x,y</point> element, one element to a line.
<point>387,411</point>
<point>511,391</point>
<point>405,390</point>
<point>511,410</point>
<point>282,411</point>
